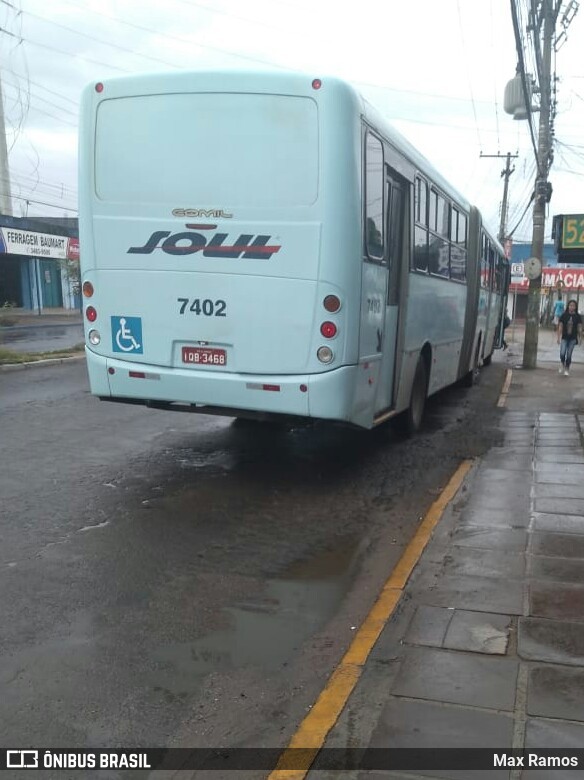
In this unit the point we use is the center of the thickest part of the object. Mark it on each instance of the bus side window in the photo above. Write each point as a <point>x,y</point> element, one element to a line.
<point>439,258</point>
<point>421,229</point>
<point>485,270</point>
<point>458,246</point>
<point>374,233</point>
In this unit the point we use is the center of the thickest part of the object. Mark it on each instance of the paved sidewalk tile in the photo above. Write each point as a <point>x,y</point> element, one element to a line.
<point>486,538</point>
<point>485,563</point>
<point>544,489</point>
<point>422,724</point>
<point>506,497</point>
<point>560,456</point>
<point>561,545</point>
<point>458,678</point>
<point>559,734</point>
<point>552,641</point>
<point>556,692</point>
<point>459,629</point>
<point>555,523</point>
<point>500,518</point>
<point>556,569</point>
<point>556,601</point>
<point>570,506</point>
<point>478,632</point>
<point>480,594</point>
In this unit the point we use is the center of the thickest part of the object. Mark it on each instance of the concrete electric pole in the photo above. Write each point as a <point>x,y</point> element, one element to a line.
<point>548,14</point>
<point>506,174</point>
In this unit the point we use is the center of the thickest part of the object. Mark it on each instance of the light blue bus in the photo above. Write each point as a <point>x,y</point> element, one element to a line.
<point>265,244</point>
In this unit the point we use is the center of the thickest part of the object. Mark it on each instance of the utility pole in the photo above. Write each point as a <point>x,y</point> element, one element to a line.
<point>5,194</point>
<point>506,174</point>
<point>548,13</point>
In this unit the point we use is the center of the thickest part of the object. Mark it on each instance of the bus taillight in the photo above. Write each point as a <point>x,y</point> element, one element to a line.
<point>87,289</point>
<point>328,330</point>
<point>91,313</point>
<point>331,303</point>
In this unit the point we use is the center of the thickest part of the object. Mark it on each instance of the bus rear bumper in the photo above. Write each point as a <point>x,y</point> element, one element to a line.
<point>329,395</point>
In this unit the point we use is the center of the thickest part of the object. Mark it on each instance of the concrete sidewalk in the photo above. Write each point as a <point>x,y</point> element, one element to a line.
<point>486,648</point>
<point>52,330</point>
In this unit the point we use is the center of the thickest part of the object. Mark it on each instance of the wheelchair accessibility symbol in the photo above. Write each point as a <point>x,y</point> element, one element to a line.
<point>127,335</point>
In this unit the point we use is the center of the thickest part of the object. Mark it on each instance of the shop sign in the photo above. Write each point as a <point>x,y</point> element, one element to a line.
<point>33,244</point>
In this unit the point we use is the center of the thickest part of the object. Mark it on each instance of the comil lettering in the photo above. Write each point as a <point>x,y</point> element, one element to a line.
<point>247,246</point>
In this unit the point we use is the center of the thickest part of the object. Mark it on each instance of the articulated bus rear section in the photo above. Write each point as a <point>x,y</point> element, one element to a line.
<point>210,282</point>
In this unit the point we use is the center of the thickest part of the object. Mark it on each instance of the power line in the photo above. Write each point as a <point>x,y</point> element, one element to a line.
<point>178,38</point>
<point>62,51</point>
<point>474,108</point>
<point>92,37</point>
<point>521,68</point>
<point>46,89</point>
<point>36,97</point>
<point>43,203</point>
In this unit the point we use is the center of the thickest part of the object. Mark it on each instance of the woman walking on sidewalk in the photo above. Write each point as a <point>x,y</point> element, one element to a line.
<point>570,332</point>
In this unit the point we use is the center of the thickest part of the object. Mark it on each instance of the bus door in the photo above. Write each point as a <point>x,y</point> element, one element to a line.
<point>395,197</point>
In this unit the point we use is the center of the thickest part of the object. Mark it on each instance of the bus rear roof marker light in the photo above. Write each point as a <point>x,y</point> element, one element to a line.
<point>99,87</point>
<point>316,84</point>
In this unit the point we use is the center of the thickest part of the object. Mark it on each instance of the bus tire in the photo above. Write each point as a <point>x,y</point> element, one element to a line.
<point>470,379</point>
<point>412,419</point>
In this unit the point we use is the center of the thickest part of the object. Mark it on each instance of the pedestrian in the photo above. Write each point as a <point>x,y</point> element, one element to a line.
<point>558,309</point>
<point>506,323</point>
<point>570,333</point>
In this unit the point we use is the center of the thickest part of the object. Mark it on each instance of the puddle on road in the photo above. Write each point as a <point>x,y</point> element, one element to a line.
<point>218,461</point>
<point>267,631</point>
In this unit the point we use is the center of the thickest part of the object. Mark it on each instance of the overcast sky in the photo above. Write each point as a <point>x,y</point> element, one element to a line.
<point>436,69</point>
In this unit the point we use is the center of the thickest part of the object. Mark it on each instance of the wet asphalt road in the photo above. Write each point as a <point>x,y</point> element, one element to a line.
<point>180,580</point>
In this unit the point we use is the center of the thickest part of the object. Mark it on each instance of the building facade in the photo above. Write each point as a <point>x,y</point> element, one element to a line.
<point>39,263</point>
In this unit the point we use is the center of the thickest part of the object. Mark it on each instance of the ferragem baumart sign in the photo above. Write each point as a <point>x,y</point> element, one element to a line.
<point>33,244</point>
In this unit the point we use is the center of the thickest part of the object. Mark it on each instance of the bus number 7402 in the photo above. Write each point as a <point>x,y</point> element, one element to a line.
<point>205,307</point>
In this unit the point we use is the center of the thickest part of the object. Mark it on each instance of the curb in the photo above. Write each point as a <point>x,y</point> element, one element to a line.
<point>40,363</point>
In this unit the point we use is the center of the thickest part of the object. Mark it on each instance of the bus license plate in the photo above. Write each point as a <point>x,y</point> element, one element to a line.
<point>204,356</point>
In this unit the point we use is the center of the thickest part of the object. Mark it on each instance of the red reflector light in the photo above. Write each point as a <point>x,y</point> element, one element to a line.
<point>99,87</point>
<point>111,370</point>
<point>273,388</point>
<point>331,303</point>
<point>316,84</point>
<point>303,388</point>
<point>137,374</point>
<point>87,289</point>
<point>91,314</point>
<point>328,330</point>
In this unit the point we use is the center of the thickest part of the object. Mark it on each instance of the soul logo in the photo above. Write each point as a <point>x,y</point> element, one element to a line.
<point>247,246</point>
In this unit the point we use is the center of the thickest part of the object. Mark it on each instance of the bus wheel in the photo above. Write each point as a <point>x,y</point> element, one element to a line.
<point>411,420</point>
<point>470,379</point>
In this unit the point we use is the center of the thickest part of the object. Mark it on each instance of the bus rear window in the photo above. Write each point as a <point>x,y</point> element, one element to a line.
<point>211,150</point>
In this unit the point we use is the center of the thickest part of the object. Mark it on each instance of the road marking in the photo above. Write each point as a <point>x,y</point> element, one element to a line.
<point>313,730</point>
<point>505,391</point>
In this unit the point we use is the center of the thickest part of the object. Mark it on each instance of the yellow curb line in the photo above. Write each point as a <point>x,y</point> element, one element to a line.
<point>312,732</point>
<point>505,391</point>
